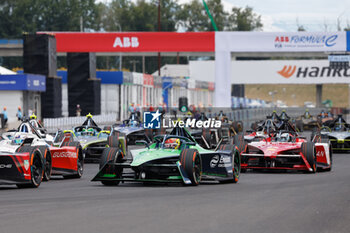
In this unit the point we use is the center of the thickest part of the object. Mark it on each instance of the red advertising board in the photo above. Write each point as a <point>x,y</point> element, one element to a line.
<point>148,80</point>
<point>134,41</point>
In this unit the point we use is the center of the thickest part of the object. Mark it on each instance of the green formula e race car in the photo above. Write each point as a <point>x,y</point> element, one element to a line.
<point>171,158</point>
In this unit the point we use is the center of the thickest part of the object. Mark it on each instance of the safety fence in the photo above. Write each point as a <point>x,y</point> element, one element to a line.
<point>247,116</point>
<point>54,124</point>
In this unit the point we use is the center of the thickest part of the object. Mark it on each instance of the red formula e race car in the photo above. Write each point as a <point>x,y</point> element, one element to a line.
<point>286,150</point>
<point>26,159</point>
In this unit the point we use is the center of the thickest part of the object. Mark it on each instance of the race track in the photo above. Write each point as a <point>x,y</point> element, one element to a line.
<point>260,202</point>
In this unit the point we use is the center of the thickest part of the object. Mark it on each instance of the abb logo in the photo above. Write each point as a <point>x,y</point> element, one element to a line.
<point>287,71</point>
<point>64,155</point>
<point>282,39</point>
<point>126,42</point>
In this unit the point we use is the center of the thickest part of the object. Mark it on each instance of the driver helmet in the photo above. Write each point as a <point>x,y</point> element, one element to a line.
<point>17,139</point>
<point>133,123</point>
<point>173,143</point>
<point>284,137</point>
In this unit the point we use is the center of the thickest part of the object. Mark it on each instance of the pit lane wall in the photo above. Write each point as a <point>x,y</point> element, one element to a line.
<point>247,116</point>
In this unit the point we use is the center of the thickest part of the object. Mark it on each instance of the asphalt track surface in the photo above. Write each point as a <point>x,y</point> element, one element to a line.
<point>260,202</point>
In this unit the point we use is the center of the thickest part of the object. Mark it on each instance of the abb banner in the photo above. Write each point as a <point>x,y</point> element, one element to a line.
<point>135,42</point>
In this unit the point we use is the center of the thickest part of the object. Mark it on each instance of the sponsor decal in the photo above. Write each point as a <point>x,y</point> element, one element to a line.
<point>313,72</point>
<point>306,41</point>
<point>5,166</point>
<point>220,161</point>
<point>65,154</point>
<point>287,71</point>
<point>320,153</point>
<point>214,161</point>
<point>126,42</point>
<point>26,164</point>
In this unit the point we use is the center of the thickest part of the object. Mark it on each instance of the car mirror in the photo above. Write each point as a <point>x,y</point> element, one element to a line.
<point>190,143</point>
<point>142,142</point>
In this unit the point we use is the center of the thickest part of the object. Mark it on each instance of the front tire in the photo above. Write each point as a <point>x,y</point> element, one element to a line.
<point>192,164</point>
<point>111,154</point>
<point>308,150</point>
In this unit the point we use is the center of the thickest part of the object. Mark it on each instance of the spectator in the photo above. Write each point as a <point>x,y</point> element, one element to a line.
<point>19,114</point>
<point>5,115</point>
<point>78,111</point>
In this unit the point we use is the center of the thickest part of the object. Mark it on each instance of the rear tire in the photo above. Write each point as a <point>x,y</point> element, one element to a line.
<point>192,164</point>
<point>111,154</point>
<point>308,150</point>
<point>37,170</point>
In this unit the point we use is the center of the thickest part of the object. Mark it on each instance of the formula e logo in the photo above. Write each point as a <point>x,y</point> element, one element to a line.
<point>151,120</point>
<point>5,166</point>
<point>287,71</point>
<point>64,155</point>
<point>126,42</point>
<point>214,161</point>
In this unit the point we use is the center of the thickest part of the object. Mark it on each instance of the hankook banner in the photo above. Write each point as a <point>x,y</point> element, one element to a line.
<point>287,71</point>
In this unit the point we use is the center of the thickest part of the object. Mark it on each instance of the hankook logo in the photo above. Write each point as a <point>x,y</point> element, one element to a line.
<point>312,72</point>
<point>287,71</point>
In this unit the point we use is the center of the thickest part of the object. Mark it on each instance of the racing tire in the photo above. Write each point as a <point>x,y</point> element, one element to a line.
<point>111,154</point>
<point>80,162</point>
<point>113,141</point>
<point>192,164</point>
<point>238,140</point>
<point>36,168</point>
<point>236,163</point>
<point>46,157</point>
<point>308,150</point>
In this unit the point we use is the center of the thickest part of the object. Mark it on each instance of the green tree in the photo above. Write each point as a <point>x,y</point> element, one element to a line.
<point>243,19</point>
<point>193,17</point>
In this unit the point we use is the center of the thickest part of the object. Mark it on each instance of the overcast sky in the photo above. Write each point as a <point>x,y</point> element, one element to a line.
<point>282,15</point>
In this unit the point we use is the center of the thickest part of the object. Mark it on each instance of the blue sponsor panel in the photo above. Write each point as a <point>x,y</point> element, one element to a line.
<point>167,83</point>
<point>107,77</point>
<point>23,82</point>
<point>348,41</point>
<point>36,82</point>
